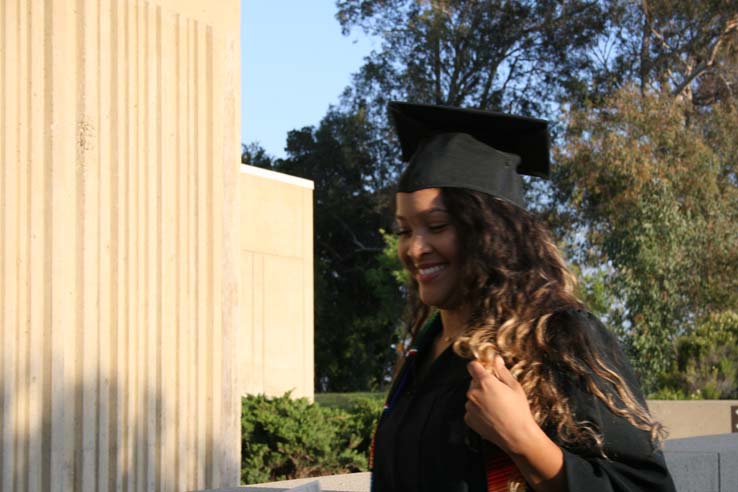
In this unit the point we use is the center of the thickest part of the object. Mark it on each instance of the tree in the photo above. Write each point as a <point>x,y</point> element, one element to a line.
<point>254,154</point>
<point>646,177</point>
<point>653,186</point>
<point>684,47</point>
<point>644,195</point>
<point>706,364</point>
<point>356,301</point>
<point>510,56</point>
<point>504,55</point>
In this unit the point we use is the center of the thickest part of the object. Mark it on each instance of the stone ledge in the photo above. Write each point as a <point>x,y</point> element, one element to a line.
<point>351,482</point>
<point>704,464</point>
<point>698,464</point>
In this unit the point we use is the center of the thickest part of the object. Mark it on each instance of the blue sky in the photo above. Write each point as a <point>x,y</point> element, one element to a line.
<point>294,63</point>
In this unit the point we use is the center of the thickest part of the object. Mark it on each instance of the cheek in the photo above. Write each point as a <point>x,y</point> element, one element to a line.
<point>402,252</point>
<point>452,248</point>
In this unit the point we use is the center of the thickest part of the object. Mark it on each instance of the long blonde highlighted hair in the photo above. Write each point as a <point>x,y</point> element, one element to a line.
<point>517,284</point>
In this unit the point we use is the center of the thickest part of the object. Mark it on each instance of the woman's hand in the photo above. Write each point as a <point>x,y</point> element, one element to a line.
<point>497,409</point>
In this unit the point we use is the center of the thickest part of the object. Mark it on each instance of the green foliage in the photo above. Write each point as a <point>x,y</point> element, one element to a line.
<point>671,393</point>
<point>678,47</point>
<point>706,363</point>
<point>345,401</point>
<point>647,175</point>
<point>489,54</point>
<point>644,190</point>
<point>649,180</point>
<point>357,299</point>
<point>389,262</point>
<point>254,154</point>
<point>594,288</point>
<point>389,280</point>
<point>284,438</point>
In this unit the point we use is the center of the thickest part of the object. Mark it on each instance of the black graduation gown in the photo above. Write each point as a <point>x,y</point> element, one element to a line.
<point>422,443</point>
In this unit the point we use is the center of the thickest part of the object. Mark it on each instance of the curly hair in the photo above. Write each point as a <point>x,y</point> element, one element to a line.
<point>517,282</point>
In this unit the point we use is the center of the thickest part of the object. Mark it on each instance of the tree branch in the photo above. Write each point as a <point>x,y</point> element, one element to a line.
<point>360,247</point>
<point>731,25</point>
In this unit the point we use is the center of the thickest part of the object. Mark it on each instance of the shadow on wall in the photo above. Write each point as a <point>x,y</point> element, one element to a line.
<point>83,438</point>
<point>102,437</point>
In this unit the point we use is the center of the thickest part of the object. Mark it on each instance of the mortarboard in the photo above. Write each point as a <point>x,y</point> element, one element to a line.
<point>469,148</point>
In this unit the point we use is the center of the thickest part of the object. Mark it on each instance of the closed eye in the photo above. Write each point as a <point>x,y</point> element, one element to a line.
<point>400,231</point>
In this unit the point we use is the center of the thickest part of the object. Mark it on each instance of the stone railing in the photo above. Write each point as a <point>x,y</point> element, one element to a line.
<point>352,482</point>
<point>691,418</point>
<point>699,453</point>
<point>698,464</point>
<point>704,464</point>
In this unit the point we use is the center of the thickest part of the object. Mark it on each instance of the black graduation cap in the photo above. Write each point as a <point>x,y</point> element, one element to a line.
<point>469,148</point>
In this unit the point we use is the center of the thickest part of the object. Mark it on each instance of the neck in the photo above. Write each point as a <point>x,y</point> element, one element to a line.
<point>454,321</point>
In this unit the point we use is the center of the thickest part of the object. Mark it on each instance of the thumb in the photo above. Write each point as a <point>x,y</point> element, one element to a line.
<point>477,371</point>
<point>504,373</point>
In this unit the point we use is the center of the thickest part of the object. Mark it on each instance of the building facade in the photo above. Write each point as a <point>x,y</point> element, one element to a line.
<point>119,245</point>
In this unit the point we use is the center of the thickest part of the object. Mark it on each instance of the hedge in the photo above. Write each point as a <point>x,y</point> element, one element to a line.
<point>284,438</point>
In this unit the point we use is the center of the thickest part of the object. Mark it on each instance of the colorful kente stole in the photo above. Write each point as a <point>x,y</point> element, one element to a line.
<point>499,468</point>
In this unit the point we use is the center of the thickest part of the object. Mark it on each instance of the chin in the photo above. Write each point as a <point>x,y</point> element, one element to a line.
<point>439,302</point>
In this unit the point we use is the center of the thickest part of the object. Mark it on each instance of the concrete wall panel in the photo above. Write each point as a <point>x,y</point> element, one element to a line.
<point>119,145</point>
<point>276,284</point>
<point>690,418</point>
<point>279,222</point>
<point>284,334</point>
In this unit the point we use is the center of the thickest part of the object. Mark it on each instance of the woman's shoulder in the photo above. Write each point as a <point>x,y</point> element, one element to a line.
<point>583,336</point>
<point>576,318</point>
<point>579,329</point>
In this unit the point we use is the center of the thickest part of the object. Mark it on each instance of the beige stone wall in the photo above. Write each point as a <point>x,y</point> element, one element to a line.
<point>119,144</point>
<point>693,418</point>
<point>276,282</point>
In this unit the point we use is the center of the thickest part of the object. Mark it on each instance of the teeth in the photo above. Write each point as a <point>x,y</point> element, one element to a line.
<point>431,270</point>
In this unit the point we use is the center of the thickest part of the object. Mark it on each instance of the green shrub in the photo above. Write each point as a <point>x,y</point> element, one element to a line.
<point>363,415</point>
<point>346,400</point>
<point>671,393</point>
<point>284,438</point>
<point>706,365</point>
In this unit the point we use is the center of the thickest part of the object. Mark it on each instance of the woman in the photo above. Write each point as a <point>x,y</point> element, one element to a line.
<point>549,402</point>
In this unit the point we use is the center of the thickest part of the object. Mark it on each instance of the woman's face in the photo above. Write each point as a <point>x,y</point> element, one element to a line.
<point>428,246</point>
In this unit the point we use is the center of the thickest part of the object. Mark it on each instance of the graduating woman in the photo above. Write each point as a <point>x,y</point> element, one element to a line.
<point>549,401</point>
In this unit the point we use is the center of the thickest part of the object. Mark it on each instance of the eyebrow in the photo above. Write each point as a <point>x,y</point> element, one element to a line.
<point>427,212</point>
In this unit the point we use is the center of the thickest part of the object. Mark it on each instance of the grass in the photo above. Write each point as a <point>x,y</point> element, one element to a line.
<point>344,400</point>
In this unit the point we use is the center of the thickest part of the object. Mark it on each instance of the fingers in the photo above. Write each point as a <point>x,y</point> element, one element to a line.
<point>471,417</point>
<point>480,372</point>
<point>504,374</point>
<point>477,371</point>
<point>477,419</point>
<point>497,373</point>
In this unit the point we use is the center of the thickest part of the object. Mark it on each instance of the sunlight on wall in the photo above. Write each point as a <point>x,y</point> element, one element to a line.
<point>119,143</point>
<point>276,283</point>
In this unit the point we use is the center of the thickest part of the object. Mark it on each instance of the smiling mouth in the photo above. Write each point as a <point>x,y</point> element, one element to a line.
<point>429,273</point>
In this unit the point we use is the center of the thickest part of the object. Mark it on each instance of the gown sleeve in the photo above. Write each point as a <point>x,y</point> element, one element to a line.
<point>631,463</point>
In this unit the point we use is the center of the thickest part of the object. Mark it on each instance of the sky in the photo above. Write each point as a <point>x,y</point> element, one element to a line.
<point>294,63</point>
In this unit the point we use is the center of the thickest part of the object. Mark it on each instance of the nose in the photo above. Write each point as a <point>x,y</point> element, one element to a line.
<point>418,246</point>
